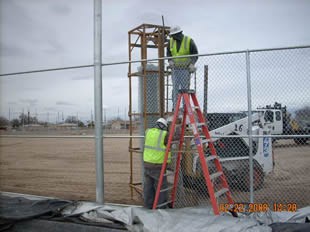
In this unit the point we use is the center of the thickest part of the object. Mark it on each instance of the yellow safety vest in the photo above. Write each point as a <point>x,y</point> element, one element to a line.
<point>154,147</point>
<point>183,51</point>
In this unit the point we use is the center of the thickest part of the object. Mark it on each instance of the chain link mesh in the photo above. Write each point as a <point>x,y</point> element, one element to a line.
<point>277,91</point>
<point>278,86</point>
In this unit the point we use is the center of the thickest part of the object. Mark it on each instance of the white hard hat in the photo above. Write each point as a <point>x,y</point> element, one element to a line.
<point>163,121</point>
<point>175,30</point>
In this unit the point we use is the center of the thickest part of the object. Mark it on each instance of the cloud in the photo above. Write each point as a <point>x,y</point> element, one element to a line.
<point>54,109</point>
<point>8,50</point>
<point>63,103</point>
<point>55,33</point>
<point>54,46</point>
<point>60,9</point>
<point>31,102</point>
<point>82,78</point>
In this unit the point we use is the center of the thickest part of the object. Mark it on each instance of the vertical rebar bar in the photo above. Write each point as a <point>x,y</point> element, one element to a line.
<point>98,101</point>
<point>248,75</point>
<point>130,117</point>
<point>205,90</point>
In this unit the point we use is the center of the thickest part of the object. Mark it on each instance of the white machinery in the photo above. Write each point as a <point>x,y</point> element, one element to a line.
<point>232,145</point>
<point>279,122</point>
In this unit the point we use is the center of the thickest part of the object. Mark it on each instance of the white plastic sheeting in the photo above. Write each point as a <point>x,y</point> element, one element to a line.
<point>185,219</point>
<point>136,218</point>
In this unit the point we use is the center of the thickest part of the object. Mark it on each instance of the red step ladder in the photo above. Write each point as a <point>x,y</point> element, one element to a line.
<point>197,121</point>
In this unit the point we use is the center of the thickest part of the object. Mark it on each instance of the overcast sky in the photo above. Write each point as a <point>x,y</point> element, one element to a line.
<point>43,34</point>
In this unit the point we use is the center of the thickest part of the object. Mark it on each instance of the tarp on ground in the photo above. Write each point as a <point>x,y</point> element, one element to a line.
<point>190,219</point>
<point>135,218</point>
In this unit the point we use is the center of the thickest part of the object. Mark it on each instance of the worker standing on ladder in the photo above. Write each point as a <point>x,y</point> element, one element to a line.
<point>153,156</point>
<point>181,68</point>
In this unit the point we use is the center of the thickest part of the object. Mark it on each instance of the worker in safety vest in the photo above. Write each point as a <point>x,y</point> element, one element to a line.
<point>156,139</point>
<point>181,68</point>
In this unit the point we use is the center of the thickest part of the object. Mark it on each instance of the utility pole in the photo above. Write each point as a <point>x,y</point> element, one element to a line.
<point>105,117</point>
<point>98,101</point>
<point>23,118</point>
<point>28,117</point>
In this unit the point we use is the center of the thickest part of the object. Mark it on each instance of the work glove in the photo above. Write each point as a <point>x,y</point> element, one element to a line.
<point>192,68</point>
<point>171,63</point>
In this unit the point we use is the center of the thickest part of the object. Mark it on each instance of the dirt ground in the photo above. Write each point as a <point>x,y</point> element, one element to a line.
<point>65,168</point>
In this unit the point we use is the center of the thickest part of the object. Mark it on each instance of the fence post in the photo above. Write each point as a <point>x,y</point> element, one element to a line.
<point>98,101</point>
<point>248,75</point>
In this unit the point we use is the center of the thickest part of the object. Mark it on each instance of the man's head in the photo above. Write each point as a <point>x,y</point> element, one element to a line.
<point>162,124</point>
<point>175,32</point>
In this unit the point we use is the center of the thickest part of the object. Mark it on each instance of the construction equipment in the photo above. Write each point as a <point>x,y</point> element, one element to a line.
<point>279,121</point>
<point>233,145</point>
<point>202,137</point>
<point>234,151</point>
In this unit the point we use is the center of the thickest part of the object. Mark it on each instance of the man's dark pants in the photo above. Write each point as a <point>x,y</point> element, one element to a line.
<point>151,179</point>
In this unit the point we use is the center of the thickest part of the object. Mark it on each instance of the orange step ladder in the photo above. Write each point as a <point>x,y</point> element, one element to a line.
<point>197,121</point>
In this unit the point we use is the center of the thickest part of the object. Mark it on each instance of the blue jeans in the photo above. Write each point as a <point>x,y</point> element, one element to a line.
<point>181,79</point>
<point>151,178</point>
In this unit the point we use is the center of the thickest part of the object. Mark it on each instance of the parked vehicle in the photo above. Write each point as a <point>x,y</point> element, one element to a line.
<point>280,122</point>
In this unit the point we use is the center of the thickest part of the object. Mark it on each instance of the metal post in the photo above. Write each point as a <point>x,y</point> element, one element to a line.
<point>248,75</point>
<point>98,101</point>
<point>205,89</point>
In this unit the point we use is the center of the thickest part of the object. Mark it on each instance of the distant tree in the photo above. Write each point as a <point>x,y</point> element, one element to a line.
<point>27,119</point>
<point>303,114</point>
<point>71,119</point>
<point>81,124</point>
<point>15,123</point>
<point>91,124</point>
<point>4,121</point>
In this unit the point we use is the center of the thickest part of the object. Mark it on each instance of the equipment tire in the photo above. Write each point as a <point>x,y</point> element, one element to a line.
<point>258,178</point>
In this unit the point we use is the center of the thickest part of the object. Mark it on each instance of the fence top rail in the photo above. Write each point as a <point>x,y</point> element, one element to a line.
<point>155,59</point>
<point>141,136</point>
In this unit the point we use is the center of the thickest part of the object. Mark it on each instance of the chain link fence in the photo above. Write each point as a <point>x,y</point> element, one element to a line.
<point>268,89</point>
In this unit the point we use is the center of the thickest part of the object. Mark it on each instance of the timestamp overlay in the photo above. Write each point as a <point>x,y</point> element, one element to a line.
<point>258,207</point>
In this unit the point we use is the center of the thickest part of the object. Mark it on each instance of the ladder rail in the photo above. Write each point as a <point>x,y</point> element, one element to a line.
<point>212,147</point>
<point>199,146</point>
<point>168,146</point>
<point>178,164</point>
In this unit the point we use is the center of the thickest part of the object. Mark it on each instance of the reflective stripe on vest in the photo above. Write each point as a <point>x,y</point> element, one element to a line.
<point>183,51</point>
<point>154,147</point>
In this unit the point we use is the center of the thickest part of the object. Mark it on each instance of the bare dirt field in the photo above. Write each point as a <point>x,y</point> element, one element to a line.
<point>65,168</point>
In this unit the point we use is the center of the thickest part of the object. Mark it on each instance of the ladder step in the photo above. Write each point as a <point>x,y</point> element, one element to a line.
<point>203,141</point>
<point>195,107</point>
<point>165,203</point>
<point>215,175</point>
<point>221,192</point>
<point>200,124</point>
<point>211,157</point>
<point>175,142</point>
<point>169,173</point>
<point>166,189</point>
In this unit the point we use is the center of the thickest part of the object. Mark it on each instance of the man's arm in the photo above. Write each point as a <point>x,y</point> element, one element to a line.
<point>168,53</point>
<point>193,50</point>
<point>166,139</point>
